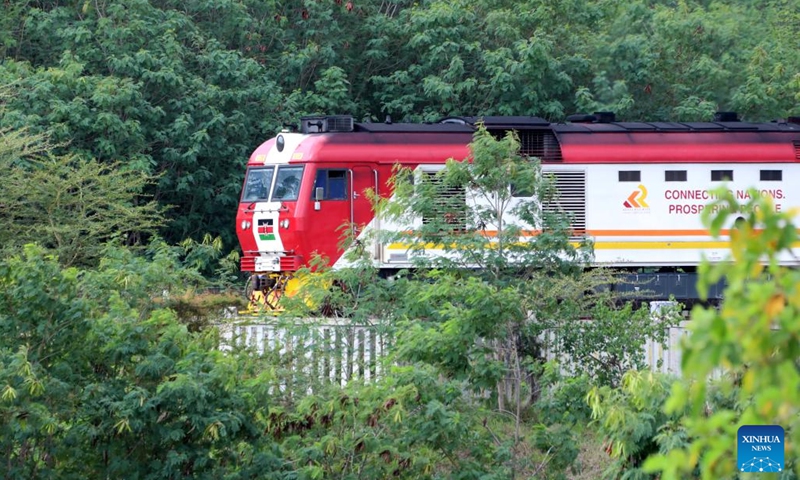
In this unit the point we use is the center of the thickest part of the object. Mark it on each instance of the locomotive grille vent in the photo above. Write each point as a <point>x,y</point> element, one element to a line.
<point>796,150</point>
<point>340,123</point>
<point>540,144</point>
<point>332,123</point>
<point>449,204</point>
<point>571,187</point>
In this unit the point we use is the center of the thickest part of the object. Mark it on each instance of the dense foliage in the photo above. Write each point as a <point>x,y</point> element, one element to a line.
<point>121,121</point>
<point>185,91</point>
<point>98,379</point>
<point>487,309</point>
<point>67,204</point>
<point>95,383</point>
<point>753,338</point>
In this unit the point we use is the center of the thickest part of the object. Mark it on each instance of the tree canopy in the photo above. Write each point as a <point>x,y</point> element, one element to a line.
<point>185,92</point>
<point>95,382</point>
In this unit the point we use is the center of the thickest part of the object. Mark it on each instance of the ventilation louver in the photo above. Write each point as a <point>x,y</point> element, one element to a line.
<point>540,144</point>
<point>332,123</point>
<point>571,187</point>
<point>449,204</point>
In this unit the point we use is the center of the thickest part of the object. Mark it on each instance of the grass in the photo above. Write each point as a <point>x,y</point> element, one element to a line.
<point>592,458</point>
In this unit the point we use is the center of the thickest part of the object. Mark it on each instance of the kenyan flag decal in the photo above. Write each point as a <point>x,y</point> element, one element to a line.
<point>265,229</point>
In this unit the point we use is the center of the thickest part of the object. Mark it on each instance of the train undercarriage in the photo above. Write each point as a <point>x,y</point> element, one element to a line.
<point>268,292</point>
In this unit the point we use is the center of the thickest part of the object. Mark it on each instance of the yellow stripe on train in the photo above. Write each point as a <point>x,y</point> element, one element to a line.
<point>605,245</point>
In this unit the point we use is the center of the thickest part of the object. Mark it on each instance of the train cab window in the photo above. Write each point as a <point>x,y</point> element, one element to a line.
<point>333,183</point>
<point>257,184</point>
<point>287,183</point>
<point>771,175</point>
<point>630,176</point>
<point>721,175</point>
<point>675,175</point>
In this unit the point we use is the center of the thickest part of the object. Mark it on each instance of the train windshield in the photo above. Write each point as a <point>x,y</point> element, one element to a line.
<point>258,184</point>
<point>287,183</point>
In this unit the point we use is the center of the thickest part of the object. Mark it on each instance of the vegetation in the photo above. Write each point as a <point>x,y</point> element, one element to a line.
<point>94,384</point>
<point>753,337</point>
<point>183,93</point>
<point>73,206</point>
<point>124,129</point>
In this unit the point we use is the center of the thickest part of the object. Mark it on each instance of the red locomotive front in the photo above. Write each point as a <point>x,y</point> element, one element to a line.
<point>268,222</point>
<point>304,192</point>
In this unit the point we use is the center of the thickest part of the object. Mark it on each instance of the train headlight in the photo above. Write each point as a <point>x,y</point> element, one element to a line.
<point>245,224</point>
<point>284,223</point>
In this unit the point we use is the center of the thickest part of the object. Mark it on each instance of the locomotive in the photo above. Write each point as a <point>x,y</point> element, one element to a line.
<point>636,189</point>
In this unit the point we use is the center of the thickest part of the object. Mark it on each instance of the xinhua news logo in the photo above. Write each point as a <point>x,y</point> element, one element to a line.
<point>760,448</point>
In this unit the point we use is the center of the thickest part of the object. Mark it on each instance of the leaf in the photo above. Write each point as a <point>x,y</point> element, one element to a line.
<point>775,305</point>
<point>123,425</point>
<point>9,394</point>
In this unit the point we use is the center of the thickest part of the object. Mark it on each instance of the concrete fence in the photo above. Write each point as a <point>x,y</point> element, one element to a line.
<point>314,351</point>
<point>658,357</point>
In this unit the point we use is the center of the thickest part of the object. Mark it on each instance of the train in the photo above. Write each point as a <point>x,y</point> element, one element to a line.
<point>636,189</point>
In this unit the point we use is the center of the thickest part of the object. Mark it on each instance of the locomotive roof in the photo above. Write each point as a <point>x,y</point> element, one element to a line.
<point>623,127</point>
<point>413,128</point>
<point>599,122</point>
<point>584,139</point>
<point>534,123</point>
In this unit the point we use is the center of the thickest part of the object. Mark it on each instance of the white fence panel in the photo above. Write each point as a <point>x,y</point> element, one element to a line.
<point>323,351</point>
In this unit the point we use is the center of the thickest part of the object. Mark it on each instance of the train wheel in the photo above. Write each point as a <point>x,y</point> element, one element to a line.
<point>265,292</point>
<point>261,290</point>
<point>273,294</point>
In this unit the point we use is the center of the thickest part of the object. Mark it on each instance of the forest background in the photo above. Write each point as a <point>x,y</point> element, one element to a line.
<point>184,91</point>
<point>128,124</point>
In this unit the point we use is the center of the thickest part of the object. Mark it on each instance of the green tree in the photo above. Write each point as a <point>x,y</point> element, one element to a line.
<point>69,205</point>
<point>90,386</point>
<point>73,207</point>
<point>407,424</point>
<point>471,58</point>
<point>504,270</point>
<point>510,269</point>
<point>631,422</point>
<point>685,60</point>
<point>752,337</point>
<point>141,84</point>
